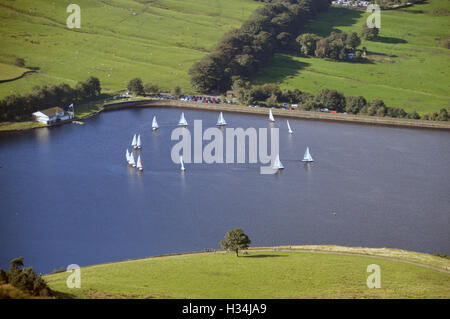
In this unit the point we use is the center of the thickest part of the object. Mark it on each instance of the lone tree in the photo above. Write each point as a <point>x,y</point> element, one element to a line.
<point>369,33</point>
<point>19,62</point>
<point>176,91</point>
<point>353,41</point>
<point>235,239</point>
<point>135,86</point>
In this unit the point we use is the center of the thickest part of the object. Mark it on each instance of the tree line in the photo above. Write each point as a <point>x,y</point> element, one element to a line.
<point>20,107</point>
<point>271,95</point>
<point>240,52</point>
<point>137,87</point>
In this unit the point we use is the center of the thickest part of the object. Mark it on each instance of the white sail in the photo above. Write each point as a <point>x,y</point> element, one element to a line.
<point>277,164</point>
<point>221,120</point>
<point>181,162</point>
<point>138,142</point>
<point>128,156</point>
<point>139,163</point>
<point>132,162</point>
<point>271,118</point>
<point>182,121</point>
<point>307,157</point>
<point>289,127</point>
<point>133,143</point>
<point>154,124</point>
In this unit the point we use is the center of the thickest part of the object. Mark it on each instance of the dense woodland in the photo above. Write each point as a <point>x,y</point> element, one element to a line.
<point>240,52</point>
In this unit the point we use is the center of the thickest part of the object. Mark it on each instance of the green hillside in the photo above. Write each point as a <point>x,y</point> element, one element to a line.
<point>260,274</point>
<point>409,67</point>
<point>9,71</point>
<point>119,39</point>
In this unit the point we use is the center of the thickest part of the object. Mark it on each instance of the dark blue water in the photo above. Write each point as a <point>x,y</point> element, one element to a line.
<point>67,196</point>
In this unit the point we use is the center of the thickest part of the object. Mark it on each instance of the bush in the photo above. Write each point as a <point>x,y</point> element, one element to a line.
<point>354,104</point>
<point>414,116</point>
<point>151,88</point>
<point>369,33</point>
<point>25,280</point>
<point>176,91</point>
<point>443,115</point>
<point>331,99</point>
<point>3,277</point>
<point>135,86</point>
<point>19,62</point>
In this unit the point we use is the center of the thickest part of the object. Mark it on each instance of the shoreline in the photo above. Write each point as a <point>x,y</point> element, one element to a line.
<point>295,114</point>
<point>424,260</point>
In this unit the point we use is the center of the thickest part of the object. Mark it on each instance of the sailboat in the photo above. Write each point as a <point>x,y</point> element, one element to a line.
<point>132,162</point>
<point>221,120</point>
<point>307,157</point>
<point>134,142</point>
<point>289,127</point>
<point>139,143</point>
<point>154,124</point>
<point>139,163</point>
<point>181,162</point>
<point>271,118</point>
<point>182,121</point>
<point>277,164</point>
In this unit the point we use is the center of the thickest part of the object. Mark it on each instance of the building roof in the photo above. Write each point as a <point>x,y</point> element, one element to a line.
<point>52,111</point>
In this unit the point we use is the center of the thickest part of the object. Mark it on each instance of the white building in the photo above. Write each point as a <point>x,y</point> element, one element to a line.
<point>52,115</point>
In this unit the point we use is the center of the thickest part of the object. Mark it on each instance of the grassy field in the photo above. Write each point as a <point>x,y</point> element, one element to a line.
<point>260,274</point>
<point>119,39</point>
<point>9,71</point>
<point>11,126</point>
<point>408,67</point>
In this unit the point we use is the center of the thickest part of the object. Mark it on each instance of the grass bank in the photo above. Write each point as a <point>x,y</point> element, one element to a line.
<point>300,273</point>
<point>407,65</point>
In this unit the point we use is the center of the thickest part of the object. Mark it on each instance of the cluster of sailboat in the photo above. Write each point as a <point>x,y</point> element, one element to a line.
<point>136,143</point>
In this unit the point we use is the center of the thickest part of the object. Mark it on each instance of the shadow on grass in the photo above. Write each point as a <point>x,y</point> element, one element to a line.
<point>329,21</point>
<point>389,40</point>
<point>382,54</point>
<point>281,67</point>
<point>413,11</point>
<point>63,295</point>
<point>262,256</point>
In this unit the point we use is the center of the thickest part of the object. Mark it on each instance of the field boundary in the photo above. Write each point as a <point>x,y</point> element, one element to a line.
<point>304,115</point>
<point>18,77</point>
<point>325,249</point>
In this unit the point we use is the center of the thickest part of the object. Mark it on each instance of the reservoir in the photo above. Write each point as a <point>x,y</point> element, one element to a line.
<point>68,197</point>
